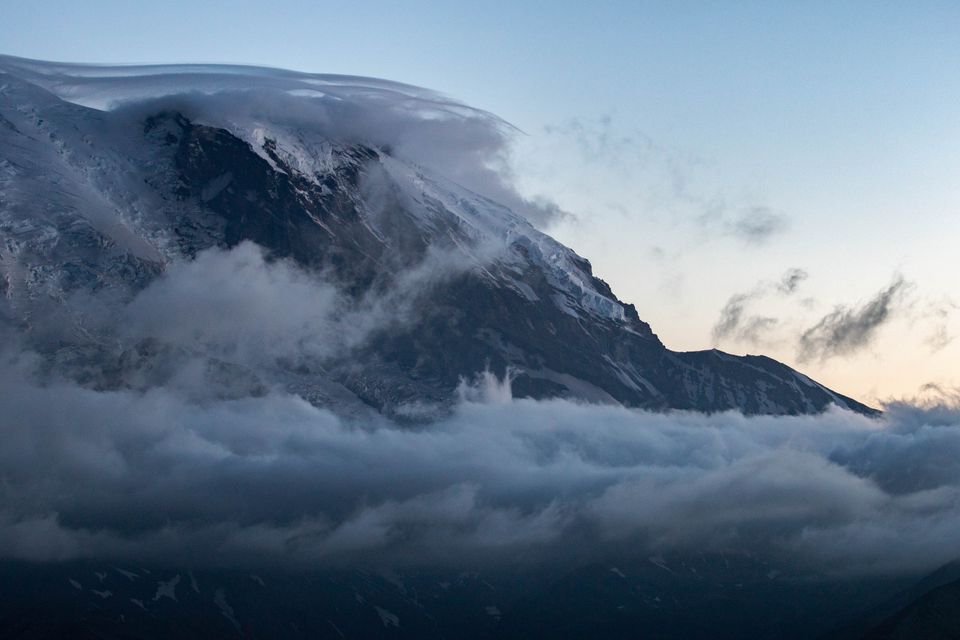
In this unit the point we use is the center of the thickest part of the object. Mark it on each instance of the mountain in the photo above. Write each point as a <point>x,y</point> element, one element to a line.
<point>705,597</point>
<point>930,608</point>
<point>108,179</point>
<point>934,616</point>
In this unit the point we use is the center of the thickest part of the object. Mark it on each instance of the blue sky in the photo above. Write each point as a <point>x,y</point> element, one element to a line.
<point>660,126</point>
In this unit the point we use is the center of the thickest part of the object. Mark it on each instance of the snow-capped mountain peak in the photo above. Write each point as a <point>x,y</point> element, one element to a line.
<point>376,193</point>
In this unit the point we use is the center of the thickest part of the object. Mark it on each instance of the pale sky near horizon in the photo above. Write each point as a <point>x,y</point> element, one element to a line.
<point>702,149</point>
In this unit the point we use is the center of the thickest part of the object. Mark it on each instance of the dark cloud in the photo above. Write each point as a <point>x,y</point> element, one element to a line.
<point>757,329</point>
<point>847,330</point>
<point>939,314</point>
<point>939,338</point>
<point>735,321</point>
<point>791,280</point>
<point>731,316</point>
<point>757,225</point>
<point>933,395</point>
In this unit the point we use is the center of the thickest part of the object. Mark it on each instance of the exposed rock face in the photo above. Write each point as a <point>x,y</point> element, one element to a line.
<point>102,202</point>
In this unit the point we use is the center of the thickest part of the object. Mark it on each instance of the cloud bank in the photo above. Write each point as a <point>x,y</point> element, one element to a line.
<point>274,479</point>
<point>187,468</point>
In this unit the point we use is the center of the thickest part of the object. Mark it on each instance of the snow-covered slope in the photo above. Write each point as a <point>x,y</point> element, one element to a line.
<point>379,195</point>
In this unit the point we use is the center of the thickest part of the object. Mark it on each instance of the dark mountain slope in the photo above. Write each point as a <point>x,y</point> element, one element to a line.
<point>104,201</point>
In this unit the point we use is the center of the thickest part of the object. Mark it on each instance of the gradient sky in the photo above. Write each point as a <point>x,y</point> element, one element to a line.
<point>668,131</point>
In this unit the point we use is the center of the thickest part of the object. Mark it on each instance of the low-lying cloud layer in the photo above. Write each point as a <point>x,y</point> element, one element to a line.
<point>178,470</point>
<point>160,476</point>
<point>181,468</point>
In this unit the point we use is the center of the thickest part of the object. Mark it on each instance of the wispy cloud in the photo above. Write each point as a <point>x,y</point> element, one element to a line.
<point>731,316</point>
<point>757,225</point>
<point>791,281</point>
<point>736,322</point>
<point>626,171</point>
<point>847,330</point>
<point>939,314</point>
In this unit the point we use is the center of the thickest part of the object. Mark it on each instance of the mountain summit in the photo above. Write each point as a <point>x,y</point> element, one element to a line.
<point>346,239</point>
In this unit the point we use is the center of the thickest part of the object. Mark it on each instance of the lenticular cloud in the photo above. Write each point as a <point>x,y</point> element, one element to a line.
<point>303,111</point>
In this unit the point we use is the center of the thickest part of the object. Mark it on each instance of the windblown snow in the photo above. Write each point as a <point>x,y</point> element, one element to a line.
<point>302,118</point>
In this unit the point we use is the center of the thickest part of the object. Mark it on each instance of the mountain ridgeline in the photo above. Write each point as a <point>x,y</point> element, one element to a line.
<point>101,202</point>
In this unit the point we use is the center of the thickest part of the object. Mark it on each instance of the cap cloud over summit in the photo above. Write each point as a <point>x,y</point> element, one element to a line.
<point>462,143</point>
